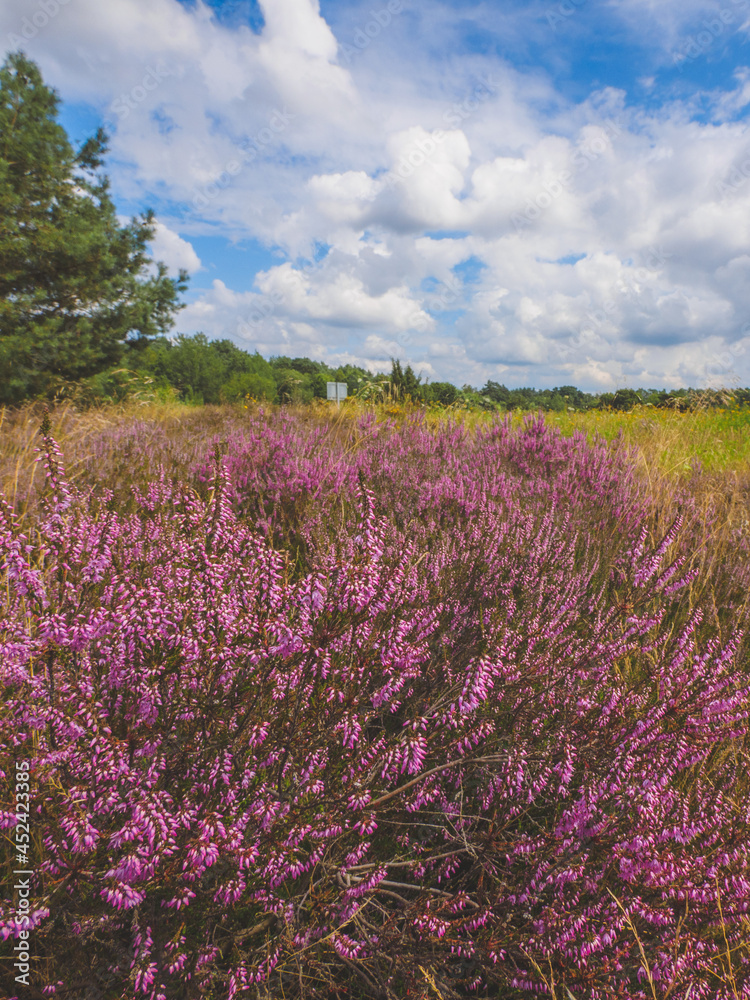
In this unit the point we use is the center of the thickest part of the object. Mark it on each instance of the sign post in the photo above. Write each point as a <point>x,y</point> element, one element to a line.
<point>336,390</point>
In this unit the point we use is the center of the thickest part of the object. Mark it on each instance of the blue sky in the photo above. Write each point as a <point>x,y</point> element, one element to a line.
<point>536,193</point>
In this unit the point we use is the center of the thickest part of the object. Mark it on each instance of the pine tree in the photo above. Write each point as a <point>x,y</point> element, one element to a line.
<point>75,286</point>
<point>404,383</point>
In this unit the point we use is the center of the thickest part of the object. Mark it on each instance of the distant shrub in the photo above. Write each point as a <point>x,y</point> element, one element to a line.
<point>206,371</point>
<point>441,392</point>
<point>243,384</point>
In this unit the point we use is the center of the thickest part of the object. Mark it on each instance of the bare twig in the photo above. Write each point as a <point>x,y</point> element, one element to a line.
<point>638,941</point>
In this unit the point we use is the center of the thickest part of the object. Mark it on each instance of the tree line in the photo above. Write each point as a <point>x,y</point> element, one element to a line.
<point>198,370</point>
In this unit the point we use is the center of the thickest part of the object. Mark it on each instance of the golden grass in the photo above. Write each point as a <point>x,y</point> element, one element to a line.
<point>665,443</point>
<point>696,463</point>
<point>666,447</point>
<point>673,442</point>
<point>719,439</point>
<point>71,428</point>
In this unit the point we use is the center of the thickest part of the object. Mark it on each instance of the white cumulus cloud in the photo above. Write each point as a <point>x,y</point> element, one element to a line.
<point>169,247</point>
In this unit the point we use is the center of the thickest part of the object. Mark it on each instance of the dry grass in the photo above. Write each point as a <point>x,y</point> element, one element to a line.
<point>698,461</point>
<point>666,444</point>
<point>698,465</point>
<point>75,432</point>
<point>19,439</point>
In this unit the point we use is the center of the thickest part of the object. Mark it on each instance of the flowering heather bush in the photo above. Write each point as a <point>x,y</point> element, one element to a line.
<point>399,713</point>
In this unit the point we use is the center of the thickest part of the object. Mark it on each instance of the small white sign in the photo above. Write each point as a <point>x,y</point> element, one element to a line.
<point>336,390</point>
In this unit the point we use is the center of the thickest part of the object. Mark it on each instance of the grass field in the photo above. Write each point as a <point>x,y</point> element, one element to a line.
<point>666,440</point>
<point>704,454</point>
<point>672,441</point>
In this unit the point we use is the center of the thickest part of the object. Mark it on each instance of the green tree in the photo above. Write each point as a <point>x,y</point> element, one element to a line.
<point>625,399</point>
<point>404,383</point>
<point>353,375</point>
<point>189,364</point>
<point>293,386</point>
<point>310,381</point>
<point>496,392</point>
<point>207,371</point>
<point>75,286</point>
<point>445,393</point>
<point>253,384</point>
<point>575,398</point>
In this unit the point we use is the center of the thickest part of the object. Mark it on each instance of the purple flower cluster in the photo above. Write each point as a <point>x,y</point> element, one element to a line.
<point>363,710</point>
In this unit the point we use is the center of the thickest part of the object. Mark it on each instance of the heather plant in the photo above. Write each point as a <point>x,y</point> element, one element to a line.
<point>374,710</point>
<point>288,475</point>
